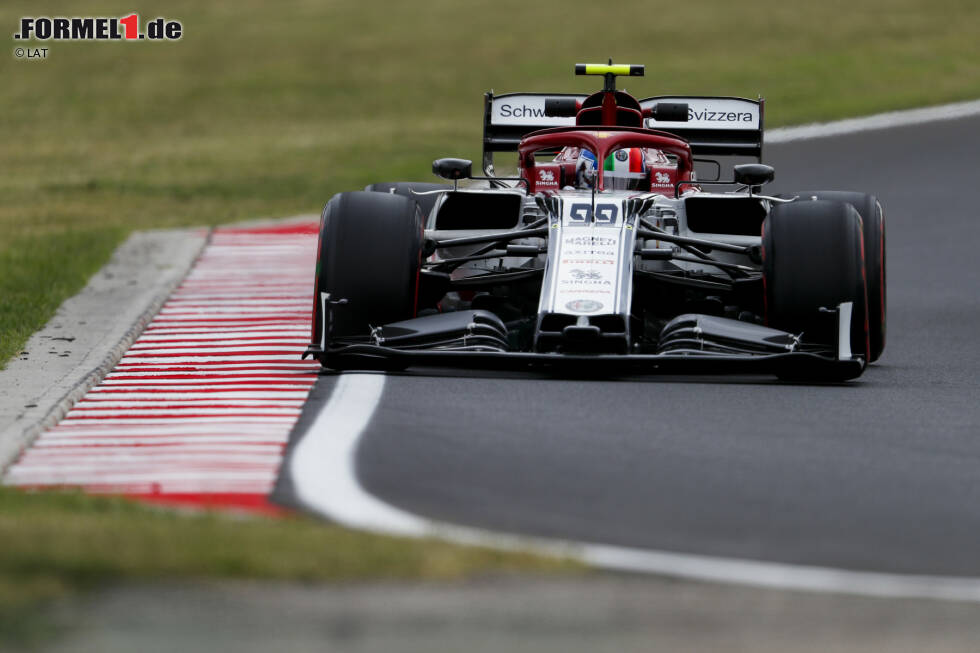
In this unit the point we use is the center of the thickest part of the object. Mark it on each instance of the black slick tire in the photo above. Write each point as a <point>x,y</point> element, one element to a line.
<point>873,220</point>
<point>813,260</point>
<point>369,257</point>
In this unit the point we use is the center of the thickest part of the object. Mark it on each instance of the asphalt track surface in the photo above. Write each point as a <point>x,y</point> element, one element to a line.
<point>880,474</point>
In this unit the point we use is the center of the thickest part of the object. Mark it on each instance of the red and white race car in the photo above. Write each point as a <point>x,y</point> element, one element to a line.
<point>607,250</point>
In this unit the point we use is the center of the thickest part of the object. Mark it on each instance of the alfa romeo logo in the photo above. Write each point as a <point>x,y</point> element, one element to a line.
<point>584,306</point>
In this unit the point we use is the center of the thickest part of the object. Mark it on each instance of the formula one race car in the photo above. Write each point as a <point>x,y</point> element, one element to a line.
<point>605,252</point>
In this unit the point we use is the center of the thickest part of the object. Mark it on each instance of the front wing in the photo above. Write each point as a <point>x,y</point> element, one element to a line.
<point>802,365</point>
<point>689,344</point>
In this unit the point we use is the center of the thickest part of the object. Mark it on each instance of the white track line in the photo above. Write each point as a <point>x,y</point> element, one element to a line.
<point>887,120</point>
<point>323,470</point>
<point>323,463</point>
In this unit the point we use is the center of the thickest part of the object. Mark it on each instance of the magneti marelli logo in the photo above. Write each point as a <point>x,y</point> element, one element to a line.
<point>41,30</point>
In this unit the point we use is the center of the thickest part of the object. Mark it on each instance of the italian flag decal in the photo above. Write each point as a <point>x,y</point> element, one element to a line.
<point>630,160</point>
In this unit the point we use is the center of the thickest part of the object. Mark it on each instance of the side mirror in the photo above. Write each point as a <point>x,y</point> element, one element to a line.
<point>453,169</point>
<point>754,174</point>
<point>560,107</point>
<point>668,111</point>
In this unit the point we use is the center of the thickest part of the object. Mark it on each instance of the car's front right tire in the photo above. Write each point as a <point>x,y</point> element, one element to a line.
<point>873,229</point>
<point>813,262</point>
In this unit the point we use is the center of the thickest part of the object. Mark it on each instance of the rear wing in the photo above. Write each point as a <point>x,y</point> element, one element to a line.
<point>716,126</point>
<point>510,117</point>
<point>719,126</point>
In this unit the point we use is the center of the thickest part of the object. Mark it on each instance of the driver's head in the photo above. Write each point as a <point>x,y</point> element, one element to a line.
<point>627,160</point>
<point>623,169</point>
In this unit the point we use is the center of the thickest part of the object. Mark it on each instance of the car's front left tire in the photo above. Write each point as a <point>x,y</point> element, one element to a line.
<point>368,262</point>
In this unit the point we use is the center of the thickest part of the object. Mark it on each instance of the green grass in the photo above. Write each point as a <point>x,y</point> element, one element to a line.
<point>37,272</point>
<point>266,109</point>
<point>56,544</point>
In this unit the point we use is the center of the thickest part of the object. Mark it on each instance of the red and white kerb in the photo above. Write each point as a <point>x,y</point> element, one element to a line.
<point>200,408</point>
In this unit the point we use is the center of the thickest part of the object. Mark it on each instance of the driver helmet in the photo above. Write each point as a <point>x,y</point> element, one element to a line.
<point>623,169</point>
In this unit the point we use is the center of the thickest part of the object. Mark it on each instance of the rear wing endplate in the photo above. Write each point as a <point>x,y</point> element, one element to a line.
<point>716,126</point>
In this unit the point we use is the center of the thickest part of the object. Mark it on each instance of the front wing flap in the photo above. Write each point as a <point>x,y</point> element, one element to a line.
<point>802,365</point>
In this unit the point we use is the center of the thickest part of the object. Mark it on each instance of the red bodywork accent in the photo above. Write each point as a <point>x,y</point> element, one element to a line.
<point>549,176</point>
<point>611,108</point>
<point>603,141</point>
<point>608,109</point>
<point>621,128</point>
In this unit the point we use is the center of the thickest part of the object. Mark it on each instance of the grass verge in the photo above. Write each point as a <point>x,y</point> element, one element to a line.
<point>55,544</point>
